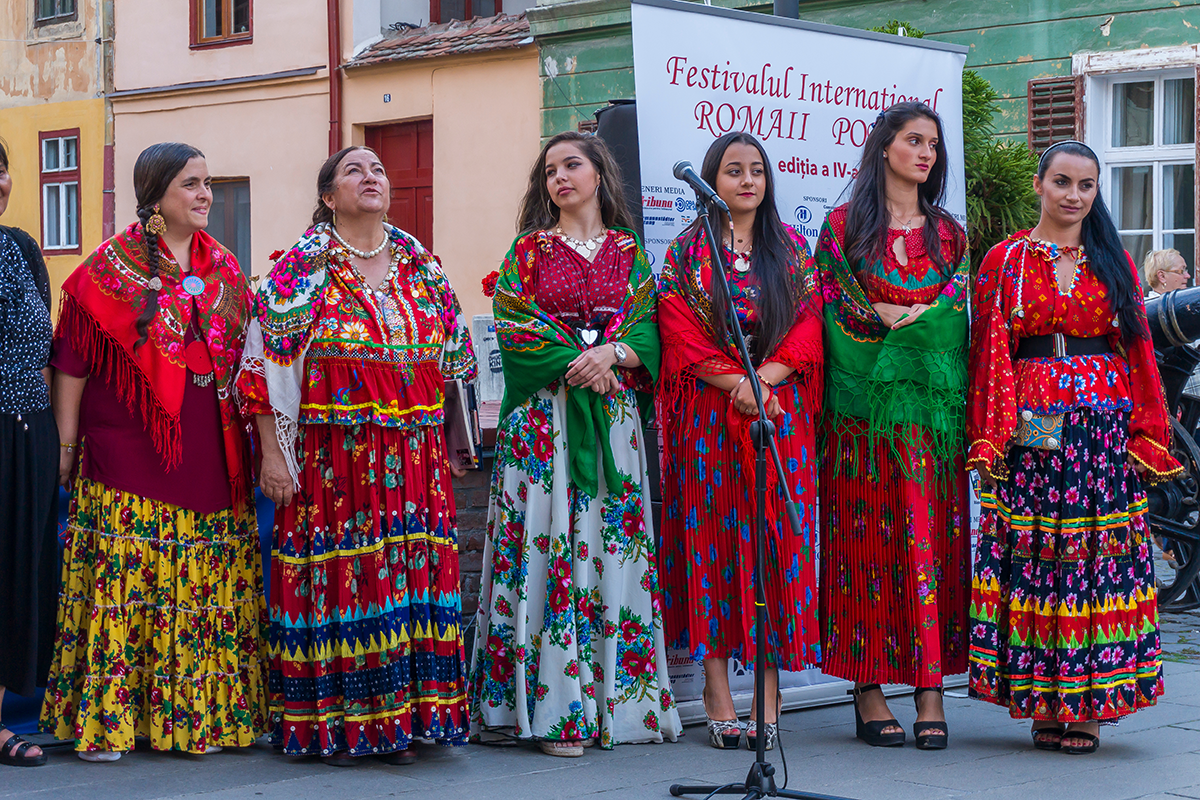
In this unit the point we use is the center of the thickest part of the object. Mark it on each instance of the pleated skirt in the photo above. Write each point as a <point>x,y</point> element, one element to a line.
<point>707,545</point>
<point>28,548</point>
<point>895,563</point>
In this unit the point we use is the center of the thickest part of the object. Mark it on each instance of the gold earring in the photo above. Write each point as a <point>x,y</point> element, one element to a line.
<point>156,225</point>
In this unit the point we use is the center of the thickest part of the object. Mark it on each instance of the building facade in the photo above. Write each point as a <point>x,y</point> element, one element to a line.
<point>55,68</point>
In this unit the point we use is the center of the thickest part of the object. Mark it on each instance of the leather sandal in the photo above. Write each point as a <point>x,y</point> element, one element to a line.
<point>1048,738</point>
<point>12,752</point>
<point>925,739</point>
<point>872,732</point>
<point>1093,743</point>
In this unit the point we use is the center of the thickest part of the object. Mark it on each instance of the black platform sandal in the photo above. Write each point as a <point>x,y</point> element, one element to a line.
<point>926,740</point>
<point>1093,742</point>
<point>1048,738</point>
<point>12,752</point>
<point>872,732</point>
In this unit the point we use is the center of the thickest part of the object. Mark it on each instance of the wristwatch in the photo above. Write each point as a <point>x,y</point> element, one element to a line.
<point>620,352</point>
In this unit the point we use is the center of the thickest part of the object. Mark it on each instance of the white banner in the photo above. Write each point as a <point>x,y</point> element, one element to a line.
<point>810,93</point>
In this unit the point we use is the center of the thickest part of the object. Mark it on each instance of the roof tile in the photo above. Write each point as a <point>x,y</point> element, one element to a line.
<point>457,37</point>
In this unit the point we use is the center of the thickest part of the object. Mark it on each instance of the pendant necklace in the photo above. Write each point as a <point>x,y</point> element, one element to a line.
<point>905,226</point>
<point>741,260</point>
<point>586,247</point>
<point>364,254</point>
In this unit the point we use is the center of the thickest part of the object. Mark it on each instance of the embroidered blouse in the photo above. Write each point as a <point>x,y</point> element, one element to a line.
<point>369,356</point>
<point>918,281</point>
<point>1017,295</point>
<point>584,293</point>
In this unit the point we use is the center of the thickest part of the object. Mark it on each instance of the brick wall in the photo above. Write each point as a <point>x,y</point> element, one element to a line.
<point>471,502</point>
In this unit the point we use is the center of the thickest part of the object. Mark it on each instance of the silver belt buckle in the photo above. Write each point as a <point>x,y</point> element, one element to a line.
<point>1060,346</point>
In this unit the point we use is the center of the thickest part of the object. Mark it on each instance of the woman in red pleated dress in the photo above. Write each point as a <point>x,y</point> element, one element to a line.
<point>707,404</point>
<point>895,523</point>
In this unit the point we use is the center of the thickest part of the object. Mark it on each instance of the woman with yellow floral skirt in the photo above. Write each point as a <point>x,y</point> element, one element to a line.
<point>161,606</point>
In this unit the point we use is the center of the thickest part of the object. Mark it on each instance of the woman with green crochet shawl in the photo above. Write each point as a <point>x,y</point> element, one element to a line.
<point>569,648</point>
<point>895,524</point>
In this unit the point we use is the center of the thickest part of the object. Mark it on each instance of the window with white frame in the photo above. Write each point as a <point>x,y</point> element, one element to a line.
<point>1147,138</point>
<point>60,191</point>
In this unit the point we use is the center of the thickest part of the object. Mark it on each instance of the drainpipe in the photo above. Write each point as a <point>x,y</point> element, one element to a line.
<point>335,76</point>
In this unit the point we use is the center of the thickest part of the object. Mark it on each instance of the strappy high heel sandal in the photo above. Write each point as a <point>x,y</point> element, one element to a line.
<point>872,732</point>
<point>1048,738</point>
<point>770,729</point>
<point>723,734</point>
<point>921,730</point>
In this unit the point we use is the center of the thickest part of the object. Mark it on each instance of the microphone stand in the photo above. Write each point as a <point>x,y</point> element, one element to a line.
<point>760,781</point>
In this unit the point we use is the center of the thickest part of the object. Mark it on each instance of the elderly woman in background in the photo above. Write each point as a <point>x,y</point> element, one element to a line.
<point>161,608</point>
<point>1165,271</point>
<point>28,475</point>
<point>356,331</point>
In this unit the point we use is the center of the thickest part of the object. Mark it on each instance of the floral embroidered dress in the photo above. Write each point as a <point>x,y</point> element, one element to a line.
<point>161,610</point>
<point>709,510</point>
<point>366,641</point>
<point>895,523</point>
<point>1063,609</point>
<point>570,637</point>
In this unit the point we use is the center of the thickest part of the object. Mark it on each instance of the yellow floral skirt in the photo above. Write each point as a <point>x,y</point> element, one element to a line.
<point>159,626</point>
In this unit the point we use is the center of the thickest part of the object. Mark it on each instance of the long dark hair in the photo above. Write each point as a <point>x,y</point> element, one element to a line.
<point>867,217</point>
<point>327,181</point>
<point>1105,252</point>
<point>774,252</point>
<point>153,172</point>
<point>538,210</point>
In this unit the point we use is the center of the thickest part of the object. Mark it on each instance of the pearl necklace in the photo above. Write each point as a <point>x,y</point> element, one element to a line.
<point>360,253</point>
<point>584,248</point>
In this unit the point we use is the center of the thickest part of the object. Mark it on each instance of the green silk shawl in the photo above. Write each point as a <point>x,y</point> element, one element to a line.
<point>907,385</point>
<point>536,349</point>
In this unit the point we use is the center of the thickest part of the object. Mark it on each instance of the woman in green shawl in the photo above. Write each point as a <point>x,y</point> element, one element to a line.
<point>895,524</point>
<point>569,647</point>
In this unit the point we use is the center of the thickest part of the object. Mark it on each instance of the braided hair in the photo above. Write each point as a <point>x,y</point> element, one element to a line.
<point>153,172</point>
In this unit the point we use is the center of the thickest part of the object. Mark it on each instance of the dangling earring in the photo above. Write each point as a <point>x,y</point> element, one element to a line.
<point>156,225</point>
<point>334,218</point>
<point>549,211</point>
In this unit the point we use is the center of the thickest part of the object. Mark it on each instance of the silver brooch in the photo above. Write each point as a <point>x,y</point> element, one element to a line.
<point>155,284</point>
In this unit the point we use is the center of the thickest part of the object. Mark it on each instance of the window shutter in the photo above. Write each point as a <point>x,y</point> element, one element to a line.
<point>1055,108</point>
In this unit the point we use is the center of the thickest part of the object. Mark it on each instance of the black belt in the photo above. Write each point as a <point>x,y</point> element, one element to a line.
<point>1057,345</point>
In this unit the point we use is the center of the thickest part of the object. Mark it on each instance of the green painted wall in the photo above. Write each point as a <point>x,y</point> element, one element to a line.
<point>590,45</point>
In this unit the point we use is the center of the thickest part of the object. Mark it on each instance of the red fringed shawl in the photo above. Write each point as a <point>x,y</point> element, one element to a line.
<point>686,311</point>
<point>101,302</point>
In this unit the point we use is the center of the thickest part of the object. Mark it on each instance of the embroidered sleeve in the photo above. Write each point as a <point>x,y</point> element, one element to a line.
<point>458,354</point>
<point>991,397</point>
<point>1149,424</point>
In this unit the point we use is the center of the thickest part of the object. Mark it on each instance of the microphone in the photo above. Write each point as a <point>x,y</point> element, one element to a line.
<point>685,172</point>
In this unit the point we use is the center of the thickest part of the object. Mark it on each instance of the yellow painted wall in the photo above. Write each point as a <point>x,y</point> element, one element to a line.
<point>486,123</point>
<point>276,135</point>
<point>19,128</point>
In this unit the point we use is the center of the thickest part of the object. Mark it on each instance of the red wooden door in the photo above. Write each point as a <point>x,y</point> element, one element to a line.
<point>406,149</point>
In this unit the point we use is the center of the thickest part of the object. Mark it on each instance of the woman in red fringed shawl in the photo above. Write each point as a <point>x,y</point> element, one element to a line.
<point>160,614</point>
<point>706,408</point>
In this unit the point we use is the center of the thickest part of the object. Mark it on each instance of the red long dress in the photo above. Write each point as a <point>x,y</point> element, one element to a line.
<point>707,541</point>
<point>895,553</point>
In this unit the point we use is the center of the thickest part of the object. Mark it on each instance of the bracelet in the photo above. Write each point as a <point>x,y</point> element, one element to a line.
<point>71,446</point>
<point>765,382</point>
